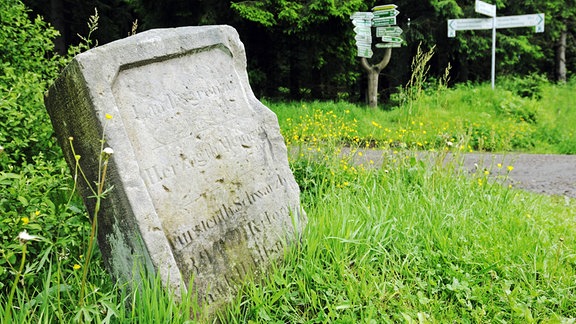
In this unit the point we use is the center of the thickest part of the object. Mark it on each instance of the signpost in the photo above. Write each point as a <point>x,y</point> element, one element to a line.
<point>383,18</point>
<point>536,20</point>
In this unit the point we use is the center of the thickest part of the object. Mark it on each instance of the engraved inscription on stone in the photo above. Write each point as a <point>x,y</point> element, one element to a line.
<point>199,164</point>
<point>213,179</point>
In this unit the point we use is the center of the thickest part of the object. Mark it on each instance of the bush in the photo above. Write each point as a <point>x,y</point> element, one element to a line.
<point>25,72</point>
<point>34,180</point>
<point>526,87</point>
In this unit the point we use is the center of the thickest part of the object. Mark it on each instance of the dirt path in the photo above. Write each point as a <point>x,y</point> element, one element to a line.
<point>540,173</point>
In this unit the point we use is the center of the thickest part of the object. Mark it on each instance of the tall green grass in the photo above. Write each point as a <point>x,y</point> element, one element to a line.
<point>529,116</point>
<point>411,242</point>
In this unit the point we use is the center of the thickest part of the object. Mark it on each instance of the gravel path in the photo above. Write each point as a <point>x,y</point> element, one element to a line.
<point>540,173</point>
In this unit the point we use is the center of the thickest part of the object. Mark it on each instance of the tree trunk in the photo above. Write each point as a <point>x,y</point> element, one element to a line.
<point>373,74</point>
<point>561,57</point>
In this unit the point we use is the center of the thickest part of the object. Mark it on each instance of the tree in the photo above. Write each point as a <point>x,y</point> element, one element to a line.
<point>312,44</point>
<point>373,76</point>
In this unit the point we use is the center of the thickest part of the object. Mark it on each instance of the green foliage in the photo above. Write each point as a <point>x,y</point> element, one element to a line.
<point>293,16</point>
<point>36,200</point>
<point>254,12</point>
<point>25,70</point>
<point>529,86</point>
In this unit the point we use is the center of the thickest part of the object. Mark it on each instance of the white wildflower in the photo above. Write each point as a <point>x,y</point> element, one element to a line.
<point>24,237</point>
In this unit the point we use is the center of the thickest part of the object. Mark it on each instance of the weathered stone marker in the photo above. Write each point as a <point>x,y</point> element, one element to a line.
<point>202,187</point>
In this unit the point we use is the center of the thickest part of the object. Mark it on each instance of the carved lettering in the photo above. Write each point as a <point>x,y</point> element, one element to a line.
<point>226,212</point>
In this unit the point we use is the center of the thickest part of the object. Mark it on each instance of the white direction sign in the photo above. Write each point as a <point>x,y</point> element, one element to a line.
<point>363,39</point>
<point>362,15</point>
<point>388,45</point>
<point>361,30</point>
<point>365,51</point>
<point>362,22</point>
<point>485,8</point>
<point>388,31</point>
<point>536,20</point>
<point>392,39</point>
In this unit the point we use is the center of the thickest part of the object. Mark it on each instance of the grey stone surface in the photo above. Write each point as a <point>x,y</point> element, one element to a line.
<point>202,187</point>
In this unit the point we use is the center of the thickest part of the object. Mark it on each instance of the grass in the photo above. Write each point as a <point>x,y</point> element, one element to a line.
<point>473,116</point>
<point>413,243</point>
<point>412,240</point>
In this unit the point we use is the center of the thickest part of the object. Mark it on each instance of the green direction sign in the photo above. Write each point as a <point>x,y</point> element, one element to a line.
<point>392,39</point>
<point>386,13</point>
<point>388,45</point>
<point>381,22</point>
<point>388,31</point>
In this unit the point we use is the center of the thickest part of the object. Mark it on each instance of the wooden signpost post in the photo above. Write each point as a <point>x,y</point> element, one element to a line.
<point>533,20</point>
<point>383,18</point>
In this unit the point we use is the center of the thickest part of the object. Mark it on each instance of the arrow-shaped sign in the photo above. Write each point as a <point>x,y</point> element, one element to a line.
<point>365,51</point>
<point>362,30</point>
<point>385,7</point>
<point>536,20</point>
<point>388,31</point>
<point>362,22</point>
<point>363,38</point>
<point>362,15</point>
<point>381,22</point>
<point>388,45</point>
<point>386,13</point>
<point>392,39</point>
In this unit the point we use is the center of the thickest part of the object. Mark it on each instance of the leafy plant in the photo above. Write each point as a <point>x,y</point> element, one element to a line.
<point>25,71</point>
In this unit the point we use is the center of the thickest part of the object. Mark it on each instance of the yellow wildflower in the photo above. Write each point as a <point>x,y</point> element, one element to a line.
<point>25,220</point>
<point>76,266</point>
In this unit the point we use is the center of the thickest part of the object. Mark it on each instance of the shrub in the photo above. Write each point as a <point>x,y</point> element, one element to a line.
<point>25,71</point>
<point>527,86</point>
